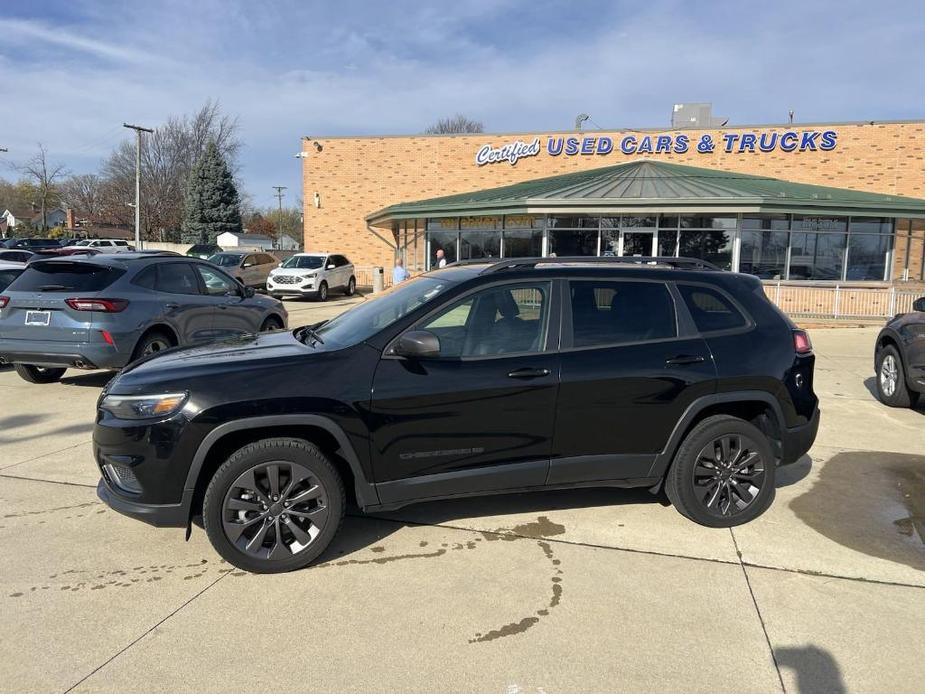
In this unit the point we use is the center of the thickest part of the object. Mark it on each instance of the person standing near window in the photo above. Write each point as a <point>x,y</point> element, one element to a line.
<point>441,258</point>
<point>399,273</point>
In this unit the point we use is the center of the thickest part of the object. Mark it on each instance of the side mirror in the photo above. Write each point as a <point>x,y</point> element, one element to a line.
<point>249,292</point>
<point>331,266</point>
<point>417,344</point>
<point>919,304</point>
<point>247,265</point>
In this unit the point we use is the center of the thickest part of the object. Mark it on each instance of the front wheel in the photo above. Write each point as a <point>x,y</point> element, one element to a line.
<point>351,286</point>
<point>270,324</point>
<point>39,374</point>
<point>323,291</point>
<point>723,473</point>
<point>891,380</point>
<point>273,506</point>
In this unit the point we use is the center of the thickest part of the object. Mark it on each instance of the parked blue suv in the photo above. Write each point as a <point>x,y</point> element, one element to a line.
<point>105,311</point>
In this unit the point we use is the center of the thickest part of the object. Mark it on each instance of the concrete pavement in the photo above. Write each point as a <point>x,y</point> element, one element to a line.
<point>586,590</point>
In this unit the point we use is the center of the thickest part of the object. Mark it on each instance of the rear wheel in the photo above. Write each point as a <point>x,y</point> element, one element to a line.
<point>891,380</point>
<point>323,291</point>
<point>273,506</point>
<point>723,473</point>
<point>351,286</point>
<point>152,343</point>
<point>39,374</point>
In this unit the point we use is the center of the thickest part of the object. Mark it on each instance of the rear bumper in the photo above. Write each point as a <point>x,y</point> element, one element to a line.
<point>796,442</point>
<point>158,515</point>
<point>77,355</point>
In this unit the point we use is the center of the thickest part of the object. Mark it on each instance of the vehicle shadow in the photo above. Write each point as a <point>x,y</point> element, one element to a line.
<point>871,384</point>
<point>815,669</point>
<point>791,474</point>
<point>96,379</point>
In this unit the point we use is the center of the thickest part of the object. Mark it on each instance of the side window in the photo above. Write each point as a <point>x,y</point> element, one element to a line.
<point>710,309</point>
<point>501,320</point>
<point>249,261</point>
<point>217,283</point>
<point>147,278</point>
<point>120,243</point>
<point>176,278</point>
<point>265,259</point>
<point>615,312</point>
<point>345,259</point>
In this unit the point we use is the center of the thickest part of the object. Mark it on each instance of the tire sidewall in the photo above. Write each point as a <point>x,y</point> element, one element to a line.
<point>269,450</point>
<point>145,340</point>
<point>323,291</point>
<point>351,286</point>
<point>680,481</point>
<point>34,374</point>
<point>900,396</point>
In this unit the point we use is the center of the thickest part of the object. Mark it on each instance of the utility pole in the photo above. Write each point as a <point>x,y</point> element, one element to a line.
<point>279,196</point>
<point>138,130</point>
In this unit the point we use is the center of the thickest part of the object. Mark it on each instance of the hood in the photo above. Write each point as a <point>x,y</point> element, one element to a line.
<point>290,271</point>
<point>219,358</point>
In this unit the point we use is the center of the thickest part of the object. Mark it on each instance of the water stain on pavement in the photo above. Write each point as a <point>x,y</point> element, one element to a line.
<point>871,502</point>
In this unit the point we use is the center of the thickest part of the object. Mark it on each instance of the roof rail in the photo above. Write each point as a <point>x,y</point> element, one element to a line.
<point>663,261</point>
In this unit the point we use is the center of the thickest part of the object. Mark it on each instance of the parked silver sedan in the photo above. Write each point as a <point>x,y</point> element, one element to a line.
<point>252,269</point>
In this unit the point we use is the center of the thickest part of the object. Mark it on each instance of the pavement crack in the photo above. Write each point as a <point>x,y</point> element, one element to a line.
<point>139,638</point>
<point>43,455</point>
<point>38,479</point>
<point>764,629</point>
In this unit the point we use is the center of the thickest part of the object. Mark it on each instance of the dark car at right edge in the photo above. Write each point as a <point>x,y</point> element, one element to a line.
<point>481,378</point>
<point>899,358</point>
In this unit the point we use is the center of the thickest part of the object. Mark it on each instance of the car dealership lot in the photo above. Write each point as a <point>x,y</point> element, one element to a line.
<point>584,590</point>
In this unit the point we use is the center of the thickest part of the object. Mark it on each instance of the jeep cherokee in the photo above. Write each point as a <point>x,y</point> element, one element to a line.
<point>480,378</point>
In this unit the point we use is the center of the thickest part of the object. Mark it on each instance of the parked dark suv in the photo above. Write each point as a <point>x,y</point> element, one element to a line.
<point>476,379</point>
<point>899,358</point>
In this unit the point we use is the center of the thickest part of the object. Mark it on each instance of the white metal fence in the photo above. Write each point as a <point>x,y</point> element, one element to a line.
<point>841,301</point>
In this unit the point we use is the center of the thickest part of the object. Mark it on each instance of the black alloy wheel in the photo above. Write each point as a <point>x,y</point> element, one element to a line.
<point>273,506</point>
<point>723,473</point>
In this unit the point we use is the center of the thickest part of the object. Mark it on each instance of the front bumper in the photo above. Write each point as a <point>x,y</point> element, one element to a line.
<point>304,288</point>
<point>796,442</point>
<point>77,355</point>
<point>158,515</point>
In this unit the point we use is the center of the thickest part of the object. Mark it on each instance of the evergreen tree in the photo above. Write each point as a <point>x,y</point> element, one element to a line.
<point>212,203</point>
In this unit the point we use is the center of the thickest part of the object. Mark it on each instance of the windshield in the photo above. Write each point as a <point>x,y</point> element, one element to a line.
<point>365,320</point>
<point>226,259</point>
<point>305,262</point>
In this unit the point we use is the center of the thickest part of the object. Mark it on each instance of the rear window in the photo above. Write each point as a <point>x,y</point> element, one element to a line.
<point>619,312</point>
<point>52,276</point>
<point>711,310</point>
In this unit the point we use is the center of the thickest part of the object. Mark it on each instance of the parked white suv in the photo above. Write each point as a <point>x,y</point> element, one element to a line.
<point>106,245</point>
<point>312,275</point>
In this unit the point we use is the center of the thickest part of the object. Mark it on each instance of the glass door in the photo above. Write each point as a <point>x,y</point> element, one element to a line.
<point>637,242</point>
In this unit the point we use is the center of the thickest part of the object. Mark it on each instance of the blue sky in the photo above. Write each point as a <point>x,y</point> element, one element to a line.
<point>72,71</point>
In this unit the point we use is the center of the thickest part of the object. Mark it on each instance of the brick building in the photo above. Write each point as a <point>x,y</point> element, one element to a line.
<point>824,202</point>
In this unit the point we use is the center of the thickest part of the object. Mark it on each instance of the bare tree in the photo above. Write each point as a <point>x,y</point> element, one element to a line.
<point>167,157</point>
<point>457,124</point>
<point>43,175</point>
<point>84,193</point>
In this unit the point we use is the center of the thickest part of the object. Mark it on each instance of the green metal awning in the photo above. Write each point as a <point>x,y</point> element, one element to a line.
<point>642,187</point>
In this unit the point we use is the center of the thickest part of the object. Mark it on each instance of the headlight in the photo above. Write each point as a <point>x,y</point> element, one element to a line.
<point>143,406</point>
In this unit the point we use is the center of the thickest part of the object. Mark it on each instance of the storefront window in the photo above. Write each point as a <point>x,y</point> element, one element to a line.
<point>867,256</point>
<point>568,242</point>
<point>483,223</point>
<point>610,222</point>
<point>442,240</point>
<point>712,245</point>
<point>479,244</point>
<point>801,223</point>
<point>610,242</point>
<point>667,243</point>
<point>444,223</point>
<point>639,222</point>
<point>816,256</point>
<point>668,221</point>
<point>703,222</point>
<point>523,243</point>
<point>763,254</point>
<point>871,225</point>
<point>574,222</point>
<point>523,221</point>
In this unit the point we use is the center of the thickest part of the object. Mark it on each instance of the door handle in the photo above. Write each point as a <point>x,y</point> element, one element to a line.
<point>684,359</point>
<point>171,307</point>
<point>528,373</point>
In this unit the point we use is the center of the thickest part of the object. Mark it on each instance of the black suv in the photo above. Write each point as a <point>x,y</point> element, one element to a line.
<point>480,378</point>
<point>899,358</point>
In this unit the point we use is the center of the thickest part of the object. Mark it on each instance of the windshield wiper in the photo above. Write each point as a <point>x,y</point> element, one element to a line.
<point>310,331</point>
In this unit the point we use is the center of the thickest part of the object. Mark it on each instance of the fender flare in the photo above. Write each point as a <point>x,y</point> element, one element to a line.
<point>664,459</point>
<point>365,491</point>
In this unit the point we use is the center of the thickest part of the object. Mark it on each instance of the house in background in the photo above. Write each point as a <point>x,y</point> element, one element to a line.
<point>54,217</point>
<point>17,217</point>
<point>257,242</point>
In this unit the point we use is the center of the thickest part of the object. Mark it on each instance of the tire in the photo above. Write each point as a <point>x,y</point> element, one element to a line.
<point>323,291</point>
<point>151,343</point>
<point>39,374</point>
<point>271,323</point>
<point>351,286</point>
<point>239,508</point>
<point>707,490</point>
<point>891,380</point>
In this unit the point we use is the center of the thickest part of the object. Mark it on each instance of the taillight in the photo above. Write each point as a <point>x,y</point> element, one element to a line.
<point>4,300</point>
<point>101,305</point>
<point>801,342</point>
